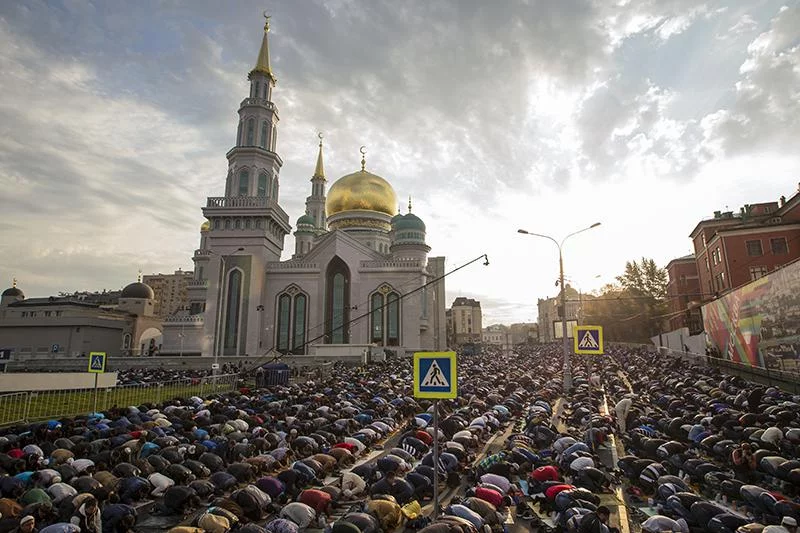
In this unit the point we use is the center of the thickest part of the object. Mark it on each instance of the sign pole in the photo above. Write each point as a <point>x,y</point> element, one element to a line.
<point>591,405</point>
<point>435,459</point>
<point>95,393</point>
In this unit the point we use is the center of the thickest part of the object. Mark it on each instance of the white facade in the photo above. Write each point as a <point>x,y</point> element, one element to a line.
<point>356,276</point>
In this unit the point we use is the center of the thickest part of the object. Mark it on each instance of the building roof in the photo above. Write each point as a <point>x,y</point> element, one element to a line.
<point>461,301</point>
<point>138,290</point>
<point>14,291</point>
<point>684,259</point>
<point>262,63</point>
<point>53,300</point>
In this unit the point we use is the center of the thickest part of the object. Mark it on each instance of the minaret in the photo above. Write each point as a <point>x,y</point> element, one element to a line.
<point>247,226</point>
<point>315,204</point>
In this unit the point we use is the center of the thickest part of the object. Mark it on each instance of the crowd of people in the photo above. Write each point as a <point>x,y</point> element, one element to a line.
<point>352,453</point>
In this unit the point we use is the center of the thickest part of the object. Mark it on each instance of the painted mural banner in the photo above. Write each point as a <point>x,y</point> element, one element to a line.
<point>758,324</point>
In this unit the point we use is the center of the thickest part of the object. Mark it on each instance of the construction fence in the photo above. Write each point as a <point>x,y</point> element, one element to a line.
<point>22,407</point>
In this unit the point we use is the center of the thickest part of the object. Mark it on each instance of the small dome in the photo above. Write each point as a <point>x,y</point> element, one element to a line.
<point>361,190</point>
<point>205,226</point>
<point>14,292</point>
<point>306,220</point>
<point>138,290</point>
<point>409,221</point>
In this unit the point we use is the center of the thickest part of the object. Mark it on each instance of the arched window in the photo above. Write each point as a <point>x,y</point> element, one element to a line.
<point>263,143</point>
<point>244,182</point>
<point>237,223</point>
<point>126,341</point>
<point>284,322</point>
<point>262,184</point>
<point>216,223</point>
<point>393,319</point>
<point>275,189</point>
<point>247,223</point>
<point>239,134</point>
<point>233,304</point>
<point>251,132</point>
<point>227,223</point>
<point>376,316</point>
<point>257,92</point>
<point>299,341</point>
<point>266,90</point>
<point>337,302</point>
<point>274,137</point>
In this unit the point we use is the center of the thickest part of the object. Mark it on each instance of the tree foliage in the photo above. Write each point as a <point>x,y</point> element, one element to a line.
<point>632,309</point>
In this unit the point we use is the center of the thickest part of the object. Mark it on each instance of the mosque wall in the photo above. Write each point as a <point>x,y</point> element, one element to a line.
<point>758,323</point>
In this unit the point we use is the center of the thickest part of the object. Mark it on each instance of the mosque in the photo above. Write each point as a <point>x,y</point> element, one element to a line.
<point>360,276</point>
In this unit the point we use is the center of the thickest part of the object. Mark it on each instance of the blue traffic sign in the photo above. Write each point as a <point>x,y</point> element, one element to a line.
<point>435,375</point>
<point>588,340</point>
<point>97,362</point>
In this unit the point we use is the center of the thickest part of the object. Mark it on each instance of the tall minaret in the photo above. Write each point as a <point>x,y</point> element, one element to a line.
<point>247,226</point>
<point>315,204</point>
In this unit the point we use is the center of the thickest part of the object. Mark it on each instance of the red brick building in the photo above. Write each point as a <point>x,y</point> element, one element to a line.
<point>734,249</point>
<point>684,295</point>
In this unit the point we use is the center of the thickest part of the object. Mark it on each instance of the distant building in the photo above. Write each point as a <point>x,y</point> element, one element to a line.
<point>734,249</point>
<point>524,333</point>
<point>550,328</point>
<point>68,326</point>
<point>466,320</point>
<point>170,291</point>
<point>684,295</point>
<point>495,334</point>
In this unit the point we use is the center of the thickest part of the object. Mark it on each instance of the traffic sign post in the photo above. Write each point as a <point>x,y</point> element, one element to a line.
<point>97,365</point>
<point>435,378</point>
<point>589,341</point>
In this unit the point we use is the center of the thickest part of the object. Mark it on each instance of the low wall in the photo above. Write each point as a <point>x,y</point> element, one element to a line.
<point>680,338</point>
<point>30,381</point>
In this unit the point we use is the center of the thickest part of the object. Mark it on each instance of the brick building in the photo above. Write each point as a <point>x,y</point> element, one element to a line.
<point>732,249</point>
<point>684,294</point>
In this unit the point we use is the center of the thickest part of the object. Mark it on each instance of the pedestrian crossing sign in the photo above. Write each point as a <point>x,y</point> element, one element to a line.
<point>588,340</point>
<point>97,362</point>
<point>435,375</point>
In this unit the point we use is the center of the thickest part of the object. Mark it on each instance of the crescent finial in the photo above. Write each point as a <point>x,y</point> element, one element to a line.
<point>266,22</point>
<point>363,151</point>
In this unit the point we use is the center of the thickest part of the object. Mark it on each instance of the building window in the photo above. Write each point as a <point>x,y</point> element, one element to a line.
<point>47,313</point>
<point>233,304</point>
<point>216,223</point>
<point>708,266</point>
<point>754,248</point>
<point>264,135</point>
<point>716,256</point>
<point>237,224</point>
<point>244,185</point>
<point>779,246</point>
<point>275,189</point>
<point>251,132</point>
<point>338,302</point>
<point>719,281</point>
<point>227,223</point>
<point>284,320</point>
<point>376,307</point>
<point>757,272</point>
<point>262,184</point>
<point>299,341</point>
<point>393,319</point>
<point>24,314</point>
<point>258,90</point>
<point>247,223</point>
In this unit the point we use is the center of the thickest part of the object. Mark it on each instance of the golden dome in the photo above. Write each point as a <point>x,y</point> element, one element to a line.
<point>361,190</point>
<point>205,226</point>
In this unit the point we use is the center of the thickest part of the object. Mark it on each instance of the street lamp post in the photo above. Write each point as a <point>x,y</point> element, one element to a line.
<point>564,340</point>
<point>220,301</point>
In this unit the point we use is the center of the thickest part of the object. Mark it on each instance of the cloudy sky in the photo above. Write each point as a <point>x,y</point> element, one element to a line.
<point>645,115</point>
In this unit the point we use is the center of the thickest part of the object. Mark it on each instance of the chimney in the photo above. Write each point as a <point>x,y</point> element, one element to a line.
<point>783,201</point>
<point>717,214</point>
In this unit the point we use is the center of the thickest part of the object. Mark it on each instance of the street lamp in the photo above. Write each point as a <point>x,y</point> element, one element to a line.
<point>564,340</point>
<point>220,301</point>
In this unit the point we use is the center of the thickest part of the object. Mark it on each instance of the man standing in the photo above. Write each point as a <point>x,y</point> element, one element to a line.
<point>622,409</point>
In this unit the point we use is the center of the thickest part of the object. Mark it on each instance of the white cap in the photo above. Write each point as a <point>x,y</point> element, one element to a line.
<point>789,521</point>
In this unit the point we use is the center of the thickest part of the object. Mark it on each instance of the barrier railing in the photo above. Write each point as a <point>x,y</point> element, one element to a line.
<point>12,407</point>
<point>39,405</point>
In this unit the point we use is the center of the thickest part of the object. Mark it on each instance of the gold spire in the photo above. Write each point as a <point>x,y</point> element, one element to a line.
<point>319,171</point>
<point>139,276</point>
<point>262,63</point>
<point>363,151</point>
<point>409,203</point>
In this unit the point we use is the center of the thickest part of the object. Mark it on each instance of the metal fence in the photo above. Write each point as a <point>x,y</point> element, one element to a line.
<point>40,405</point>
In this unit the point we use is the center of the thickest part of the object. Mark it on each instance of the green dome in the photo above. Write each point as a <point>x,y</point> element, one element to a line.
<point>305,220</point>
<point>408,222</point>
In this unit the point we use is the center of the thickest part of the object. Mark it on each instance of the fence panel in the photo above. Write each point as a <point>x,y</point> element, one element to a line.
<point>12,407</point>
<point>40,405</point>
